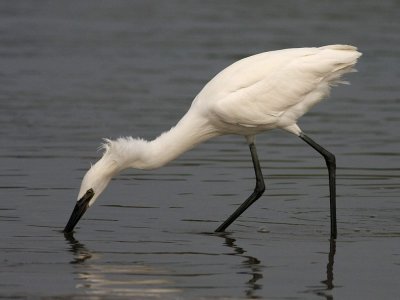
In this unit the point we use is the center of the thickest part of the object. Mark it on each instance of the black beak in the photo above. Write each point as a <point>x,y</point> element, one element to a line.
<point>80,208</point>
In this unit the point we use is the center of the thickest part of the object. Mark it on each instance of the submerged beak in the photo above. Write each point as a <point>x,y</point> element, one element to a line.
<point>80,208</point>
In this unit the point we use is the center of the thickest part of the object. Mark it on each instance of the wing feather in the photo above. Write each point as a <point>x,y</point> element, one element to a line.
<point>258,90</point>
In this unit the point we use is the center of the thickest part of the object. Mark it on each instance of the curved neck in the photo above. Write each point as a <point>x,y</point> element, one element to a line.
<point>128,152</point>
<point>189,132</point>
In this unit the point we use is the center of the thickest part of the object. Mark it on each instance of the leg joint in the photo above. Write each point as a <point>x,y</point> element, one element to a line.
<point>330,159</point>
<point>260,187</point>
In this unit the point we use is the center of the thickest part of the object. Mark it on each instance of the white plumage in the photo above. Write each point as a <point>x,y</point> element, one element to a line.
<point>273,89</point>
<point>258,93</point>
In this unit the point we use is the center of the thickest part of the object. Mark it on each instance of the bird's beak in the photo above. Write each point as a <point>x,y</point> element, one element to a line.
<point>80,208</point>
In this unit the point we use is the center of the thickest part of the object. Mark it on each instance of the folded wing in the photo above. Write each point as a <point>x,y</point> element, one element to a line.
<point>264,89</point>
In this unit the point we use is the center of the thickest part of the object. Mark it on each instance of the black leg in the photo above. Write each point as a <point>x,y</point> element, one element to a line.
<point>331,164</point>
<point>258,191</point>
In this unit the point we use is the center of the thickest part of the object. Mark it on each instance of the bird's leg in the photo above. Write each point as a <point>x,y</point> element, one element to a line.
<point>331,164</point>
<point>258,191</point>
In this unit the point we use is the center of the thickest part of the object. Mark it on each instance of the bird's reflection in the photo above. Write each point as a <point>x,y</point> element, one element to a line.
<point>91,277</point>
<point>329,267</point>
<point>79,251</point>
<point>325,291</point>
<point>251,263</point>
<point>255,269</point>
<point>96,277</point>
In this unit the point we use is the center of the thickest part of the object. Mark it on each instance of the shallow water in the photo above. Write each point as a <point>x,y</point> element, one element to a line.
<point>73,73</point>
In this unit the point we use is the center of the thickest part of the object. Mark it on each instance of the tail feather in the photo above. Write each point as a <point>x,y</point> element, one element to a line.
<point>339,47</point>
<point>333,62</point>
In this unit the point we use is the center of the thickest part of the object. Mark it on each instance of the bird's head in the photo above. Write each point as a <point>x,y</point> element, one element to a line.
<point>93,184</point>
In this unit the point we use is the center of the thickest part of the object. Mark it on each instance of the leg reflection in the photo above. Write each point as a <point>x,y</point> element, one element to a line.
<point>251,263</point>
<point>329,267</point>
<point>326,290</point>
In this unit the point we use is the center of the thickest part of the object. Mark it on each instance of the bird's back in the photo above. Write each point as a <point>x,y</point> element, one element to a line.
<point>273,89</point>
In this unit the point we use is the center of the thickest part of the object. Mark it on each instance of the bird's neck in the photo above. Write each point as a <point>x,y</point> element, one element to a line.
<point>189,132</point>
<point>140,154</point>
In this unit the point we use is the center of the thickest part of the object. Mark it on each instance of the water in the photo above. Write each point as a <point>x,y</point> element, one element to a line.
<point>75,72</point>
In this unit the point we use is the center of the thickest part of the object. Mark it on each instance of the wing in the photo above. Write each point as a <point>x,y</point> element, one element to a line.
<point>258,90</point>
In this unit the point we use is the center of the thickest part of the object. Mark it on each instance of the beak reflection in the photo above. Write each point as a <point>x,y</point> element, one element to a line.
<point>80,208</point>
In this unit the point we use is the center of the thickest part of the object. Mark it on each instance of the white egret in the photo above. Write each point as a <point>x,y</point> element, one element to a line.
<point>258,93</point>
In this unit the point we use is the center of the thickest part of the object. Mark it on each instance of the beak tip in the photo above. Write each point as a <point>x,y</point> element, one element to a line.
<point>69,228</point>
<point>80,208</point>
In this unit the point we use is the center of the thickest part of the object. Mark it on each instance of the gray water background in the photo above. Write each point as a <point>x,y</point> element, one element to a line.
<point>73,72</point>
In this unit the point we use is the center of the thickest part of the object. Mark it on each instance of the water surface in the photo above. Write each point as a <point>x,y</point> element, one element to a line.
<point>75,72</point>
